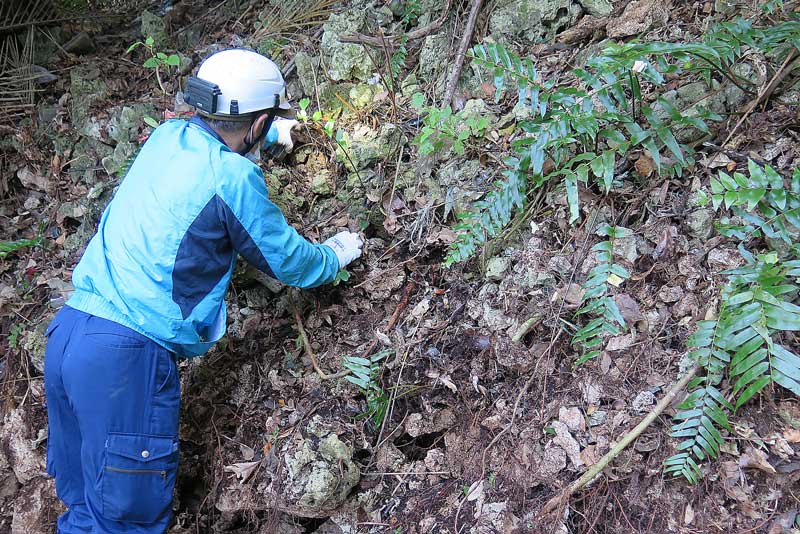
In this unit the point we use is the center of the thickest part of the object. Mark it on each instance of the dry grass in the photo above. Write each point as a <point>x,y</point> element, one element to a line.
<point>291,17</point>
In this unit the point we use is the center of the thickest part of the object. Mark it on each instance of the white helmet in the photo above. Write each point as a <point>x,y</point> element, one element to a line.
<point>236,83</point>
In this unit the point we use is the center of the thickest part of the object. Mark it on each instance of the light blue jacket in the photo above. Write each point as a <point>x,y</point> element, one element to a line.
<point>166,245</point>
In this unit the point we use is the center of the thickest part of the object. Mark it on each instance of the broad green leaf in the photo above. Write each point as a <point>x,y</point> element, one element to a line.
<point>150,121</point>
<point>571,185</point>
<point>745,363</point>
<point>727,182</point>
<point>586,357</point>
<point>758,370</point>
<point>751,390</point>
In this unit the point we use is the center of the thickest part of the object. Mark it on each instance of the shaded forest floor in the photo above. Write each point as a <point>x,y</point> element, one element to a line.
<point>480,430</point>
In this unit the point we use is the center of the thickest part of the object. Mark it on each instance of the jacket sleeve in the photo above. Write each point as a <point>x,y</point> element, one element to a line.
<point>260,233</point>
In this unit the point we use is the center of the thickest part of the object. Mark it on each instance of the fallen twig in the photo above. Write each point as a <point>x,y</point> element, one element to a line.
<point>307,345</point>
<point>383,40</point>
<point>525,328</point>
<point>790,62</point>
<point>395,316</point>
<point>462,52</point>
<point>564,496</point>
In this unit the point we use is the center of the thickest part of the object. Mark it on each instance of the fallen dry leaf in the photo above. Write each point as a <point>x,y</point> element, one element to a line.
<point>664,246</point>
<point>32,180</point>
<point>628,307</point>
<point>792,435</point>
<point>243,470</point>
<point>688,514</point>
<point>645,165</point>
<point>755,459</point>
<point>565,440</point>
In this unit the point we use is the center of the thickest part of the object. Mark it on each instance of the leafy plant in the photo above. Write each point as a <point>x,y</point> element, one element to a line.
<point>366,375</point>
<point>771,6</point>
<point>14,333</point>
<point>412,9</point>
<point>325,124</point>
<point>150,121</point>
<point>342,276</point>
<point>582,130</point>
<point>444,130</point>
<point>727,43</point>
<point>9,247</point>
<point>596,298</point>
<point>157,59</point>
<point>743,344</point>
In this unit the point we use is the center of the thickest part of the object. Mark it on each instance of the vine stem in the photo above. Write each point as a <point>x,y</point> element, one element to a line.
<point>450,90</point>
<point>595,470</point>
<point>307,345</point>
<point>160,83</point>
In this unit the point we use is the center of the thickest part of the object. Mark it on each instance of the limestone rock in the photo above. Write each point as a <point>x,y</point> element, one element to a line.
<point>573,418</point>
<point>80,44</point>
<point>700,223</point>
<point>8,481</point>
<point>643,401</point>
<point>532,20</point>
<point>307,67</point>
<point>124,128</point>
<point>154,26</point>
<point>34,343</point>
<point>553,462</point>
<point>34,512</point>
<point>320,469</point>
<point>86,88</point>
<point>418,424</point>
<point>365,146</point>
<point>640,16</point>
<point>597,8</point>
<point>433,64</point>
<point>345,61</point>
<point>281,192</point>
<point>496,267</point>
<point>17,438</point>
<point>361,95</point>
<point>321,183</point>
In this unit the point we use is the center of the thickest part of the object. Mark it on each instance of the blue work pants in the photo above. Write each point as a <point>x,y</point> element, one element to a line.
<point>113,399</point>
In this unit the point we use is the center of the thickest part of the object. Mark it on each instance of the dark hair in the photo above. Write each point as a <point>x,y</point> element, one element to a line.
<point>226,126</point>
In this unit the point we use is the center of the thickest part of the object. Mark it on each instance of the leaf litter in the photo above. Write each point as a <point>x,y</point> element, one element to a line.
<point>312,461</point>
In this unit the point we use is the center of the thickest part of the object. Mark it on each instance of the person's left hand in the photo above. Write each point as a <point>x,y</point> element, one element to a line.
<point>284,128</point>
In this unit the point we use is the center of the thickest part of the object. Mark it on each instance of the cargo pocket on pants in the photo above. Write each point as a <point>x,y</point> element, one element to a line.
<point>138,477</point>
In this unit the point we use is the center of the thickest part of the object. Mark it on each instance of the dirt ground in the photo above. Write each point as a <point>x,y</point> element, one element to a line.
<point>480,430</point>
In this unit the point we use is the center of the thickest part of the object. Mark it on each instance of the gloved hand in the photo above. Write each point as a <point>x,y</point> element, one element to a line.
<point>284,129</point>
<point>347,246</point>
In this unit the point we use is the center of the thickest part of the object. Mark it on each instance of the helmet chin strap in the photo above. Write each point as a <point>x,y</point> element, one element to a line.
<point>248,145</point>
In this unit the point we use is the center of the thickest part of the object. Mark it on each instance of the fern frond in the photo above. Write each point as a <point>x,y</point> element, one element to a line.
<point>504,64</point>
<point>744,341</point>
<point>597,300</point>
<point>9,247</point>
<point>698,420</point>
<point>491,214</point>
<point>365,373</point>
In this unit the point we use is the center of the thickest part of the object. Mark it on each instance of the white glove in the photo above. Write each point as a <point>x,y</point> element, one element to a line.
<point>347,246</point>
<point>284,128</point>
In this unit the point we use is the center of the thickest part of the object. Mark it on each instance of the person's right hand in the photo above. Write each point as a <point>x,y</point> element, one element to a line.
<point>347,246</point>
